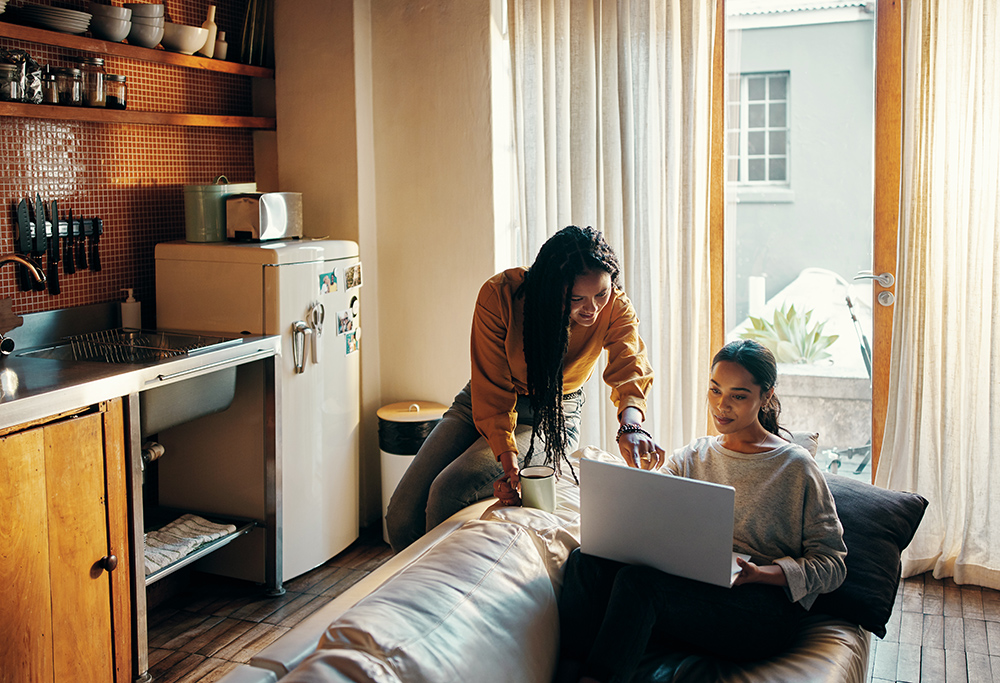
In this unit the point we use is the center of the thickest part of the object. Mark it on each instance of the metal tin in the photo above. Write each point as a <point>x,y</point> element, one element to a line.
<point>205,209</point>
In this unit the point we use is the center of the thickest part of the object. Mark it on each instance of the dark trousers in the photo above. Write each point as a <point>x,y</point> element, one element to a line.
<point>610,612</point>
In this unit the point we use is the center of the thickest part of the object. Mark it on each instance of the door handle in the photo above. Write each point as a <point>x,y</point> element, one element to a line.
<point>299,332</point>
<point>884,279</point>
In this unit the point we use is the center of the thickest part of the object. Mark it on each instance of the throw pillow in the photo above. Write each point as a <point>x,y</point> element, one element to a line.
<point>878,525</point>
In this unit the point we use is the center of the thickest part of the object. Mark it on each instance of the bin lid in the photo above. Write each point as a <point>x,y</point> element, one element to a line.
<point>412,411</point>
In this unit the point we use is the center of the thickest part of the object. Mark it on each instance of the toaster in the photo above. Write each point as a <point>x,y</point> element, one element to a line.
<point>257,216</point>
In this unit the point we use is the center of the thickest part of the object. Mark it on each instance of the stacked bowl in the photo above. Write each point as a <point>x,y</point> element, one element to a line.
<point>109,22</point>
<point>147,23</point>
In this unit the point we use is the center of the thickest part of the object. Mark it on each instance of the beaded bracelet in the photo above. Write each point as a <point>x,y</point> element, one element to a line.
<point>631,429</point>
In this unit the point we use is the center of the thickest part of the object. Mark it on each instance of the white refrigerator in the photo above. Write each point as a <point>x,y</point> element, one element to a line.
<point>308,292</point>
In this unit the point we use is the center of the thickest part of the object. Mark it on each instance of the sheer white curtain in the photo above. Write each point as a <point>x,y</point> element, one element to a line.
<point>943,427</point>
<point>612,115</point>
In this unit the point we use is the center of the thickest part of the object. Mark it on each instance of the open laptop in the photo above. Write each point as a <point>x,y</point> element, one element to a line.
<point>677,525</point>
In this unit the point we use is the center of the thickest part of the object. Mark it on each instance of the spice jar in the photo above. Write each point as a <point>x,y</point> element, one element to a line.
<point>93,81</point>
<point>115,90</point>
<point>70,85</point>
<point>50,89</point>
<point>10,83</point>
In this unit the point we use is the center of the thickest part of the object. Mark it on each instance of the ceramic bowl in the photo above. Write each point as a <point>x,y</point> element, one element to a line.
<point>145,35</point>
<point>149,21</point>
<point>109,28</point>
<point>184,39</point>
<point>145,9</point>
<point>98,9</point>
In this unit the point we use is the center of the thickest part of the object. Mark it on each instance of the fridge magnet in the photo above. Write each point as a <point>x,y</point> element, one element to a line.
<point>345,323</point>
<point>354,307</point>
<point>352,341</point>
<point>352,276</point>
<point>328,282</point>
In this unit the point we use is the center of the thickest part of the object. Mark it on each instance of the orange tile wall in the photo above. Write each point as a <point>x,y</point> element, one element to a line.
<point>131,176</point>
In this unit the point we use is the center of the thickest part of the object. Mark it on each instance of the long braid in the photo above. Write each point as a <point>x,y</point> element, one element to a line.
<point>547,290</point>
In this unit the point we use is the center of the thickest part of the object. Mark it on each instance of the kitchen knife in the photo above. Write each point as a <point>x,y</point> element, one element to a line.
<point>95,237</point>
<point>81,248</point>
<point>40,242</point>
<point>53,279</point>
<point>69,258</point>
<point>23,245</point>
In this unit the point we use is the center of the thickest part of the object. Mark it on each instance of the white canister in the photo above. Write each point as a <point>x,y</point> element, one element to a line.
<point>402,428</point>
<point>205,209</point>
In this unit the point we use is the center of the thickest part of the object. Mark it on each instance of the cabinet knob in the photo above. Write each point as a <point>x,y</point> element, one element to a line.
<point>109,562</point>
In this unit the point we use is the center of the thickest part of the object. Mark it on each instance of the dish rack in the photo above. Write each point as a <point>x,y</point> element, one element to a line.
<point>126,345</point>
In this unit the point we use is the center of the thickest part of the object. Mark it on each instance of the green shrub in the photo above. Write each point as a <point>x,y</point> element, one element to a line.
<point>790,337</point>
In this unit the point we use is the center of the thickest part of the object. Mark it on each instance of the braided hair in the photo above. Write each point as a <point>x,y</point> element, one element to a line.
<point>758,360</point>
<point>547,290</point>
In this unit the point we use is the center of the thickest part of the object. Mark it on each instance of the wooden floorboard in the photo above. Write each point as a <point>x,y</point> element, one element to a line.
<point>939,632</point>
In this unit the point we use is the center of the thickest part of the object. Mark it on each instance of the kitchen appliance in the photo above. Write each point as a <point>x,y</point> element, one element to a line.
<point>308,292</point>
<point>264,216</point>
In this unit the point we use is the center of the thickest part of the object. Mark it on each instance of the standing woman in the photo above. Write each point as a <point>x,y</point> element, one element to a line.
<point>537,334</point>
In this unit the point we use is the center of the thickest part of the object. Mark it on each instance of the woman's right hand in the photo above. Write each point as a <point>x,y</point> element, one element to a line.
<point>507,487</point>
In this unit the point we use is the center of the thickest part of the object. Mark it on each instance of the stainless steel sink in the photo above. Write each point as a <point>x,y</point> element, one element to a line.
<point>126,345</point>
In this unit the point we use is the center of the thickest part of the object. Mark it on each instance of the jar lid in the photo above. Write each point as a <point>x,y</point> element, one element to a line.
<point>115,77</point>
<point>8,67</point>
<point>93,61</point>
<point>68,71</point>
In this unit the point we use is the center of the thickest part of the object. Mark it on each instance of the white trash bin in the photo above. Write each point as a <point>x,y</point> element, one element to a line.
<point>402,428</point>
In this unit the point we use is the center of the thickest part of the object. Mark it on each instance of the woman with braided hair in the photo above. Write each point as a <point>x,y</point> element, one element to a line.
<point>537,334</point>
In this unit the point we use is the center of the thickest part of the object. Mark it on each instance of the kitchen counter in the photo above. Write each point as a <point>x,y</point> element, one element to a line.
<point>33,388</point>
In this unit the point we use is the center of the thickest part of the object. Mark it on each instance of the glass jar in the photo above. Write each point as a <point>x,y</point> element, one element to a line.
<point>93,81</point>
<point>116,91</point>
<point>50,88</point>
<point>10,83</point>
<point>70,85</point>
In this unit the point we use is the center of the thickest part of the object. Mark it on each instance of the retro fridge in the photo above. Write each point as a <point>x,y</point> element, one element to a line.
<point>308,292</point>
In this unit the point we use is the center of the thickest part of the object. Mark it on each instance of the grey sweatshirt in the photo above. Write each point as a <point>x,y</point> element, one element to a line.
<point>785,514</point>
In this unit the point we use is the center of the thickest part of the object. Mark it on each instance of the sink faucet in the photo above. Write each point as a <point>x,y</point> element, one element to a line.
<point>33,268</point>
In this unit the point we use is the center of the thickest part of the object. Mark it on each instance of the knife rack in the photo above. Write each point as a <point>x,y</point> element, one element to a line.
<point>91,227</point>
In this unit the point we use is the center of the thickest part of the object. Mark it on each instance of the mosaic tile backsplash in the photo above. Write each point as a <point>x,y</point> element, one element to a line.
<point>131,176</point>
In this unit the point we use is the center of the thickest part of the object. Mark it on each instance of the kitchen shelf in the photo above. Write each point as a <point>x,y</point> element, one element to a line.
<point>155,118</point>
<point>199,553</point>
<point>143,54</point>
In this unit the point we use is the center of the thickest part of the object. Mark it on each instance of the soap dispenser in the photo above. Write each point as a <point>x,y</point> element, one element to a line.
<point>131,311</point>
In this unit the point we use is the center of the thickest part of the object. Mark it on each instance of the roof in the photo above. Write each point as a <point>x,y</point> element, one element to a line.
<point>750,7</point>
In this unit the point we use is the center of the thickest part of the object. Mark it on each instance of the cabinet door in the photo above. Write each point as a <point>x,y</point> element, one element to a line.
<point>78,544</point>
<point>25,617</point>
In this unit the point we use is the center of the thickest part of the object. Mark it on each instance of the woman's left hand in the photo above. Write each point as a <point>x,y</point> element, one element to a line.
<point>770,574</point>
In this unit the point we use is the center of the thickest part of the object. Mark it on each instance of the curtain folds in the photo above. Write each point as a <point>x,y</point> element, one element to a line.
<point>612,118</point>
<point>943,426</point>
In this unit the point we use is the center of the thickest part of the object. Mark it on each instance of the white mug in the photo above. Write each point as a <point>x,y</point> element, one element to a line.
<point>538,487</point>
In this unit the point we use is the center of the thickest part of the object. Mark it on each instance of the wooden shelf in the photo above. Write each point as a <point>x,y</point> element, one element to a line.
<point>104,47</point>
<point>153,118</point>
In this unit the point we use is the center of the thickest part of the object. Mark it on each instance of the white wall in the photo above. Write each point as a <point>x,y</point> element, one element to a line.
<point>384,124</point>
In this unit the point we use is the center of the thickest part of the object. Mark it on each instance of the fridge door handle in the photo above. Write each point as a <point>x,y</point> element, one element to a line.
<point>300,330</point>
<point>317,315</point>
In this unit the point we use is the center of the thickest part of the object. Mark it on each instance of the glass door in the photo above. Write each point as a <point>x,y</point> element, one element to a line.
<point>799,217</point>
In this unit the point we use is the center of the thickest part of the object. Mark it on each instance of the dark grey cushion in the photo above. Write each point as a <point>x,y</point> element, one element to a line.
<point>878,525</point>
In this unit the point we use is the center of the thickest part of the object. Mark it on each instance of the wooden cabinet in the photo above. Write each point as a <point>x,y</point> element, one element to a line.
<point>65,613</point>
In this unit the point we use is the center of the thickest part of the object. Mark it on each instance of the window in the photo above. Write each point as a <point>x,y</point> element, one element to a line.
<point>757,133</point>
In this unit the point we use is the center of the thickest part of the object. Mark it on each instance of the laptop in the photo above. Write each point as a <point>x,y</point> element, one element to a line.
<point>677,525</point>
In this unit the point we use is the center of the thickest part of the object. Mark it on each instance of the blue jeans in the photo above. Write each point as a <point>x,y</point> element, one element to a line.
<point>610,612</point>
<point>456,467</point>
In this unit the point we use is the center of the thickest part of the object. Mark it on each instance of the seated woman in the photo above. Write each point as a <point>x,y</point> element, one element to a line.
<point>537,334</point>
<point>785,519</point>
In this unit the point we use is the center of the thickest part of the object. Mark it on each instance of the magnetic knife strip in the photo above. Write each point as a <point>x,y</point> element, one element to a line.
<point>74,242</point>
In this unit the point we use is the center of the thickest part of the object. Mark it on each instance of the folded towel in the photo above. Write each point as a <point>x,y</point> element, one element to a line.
<point>180,538</point>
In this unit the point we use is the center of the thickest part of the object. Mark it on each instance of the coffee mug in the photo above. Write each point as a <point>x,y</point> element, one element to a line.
<point>538,487</point>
